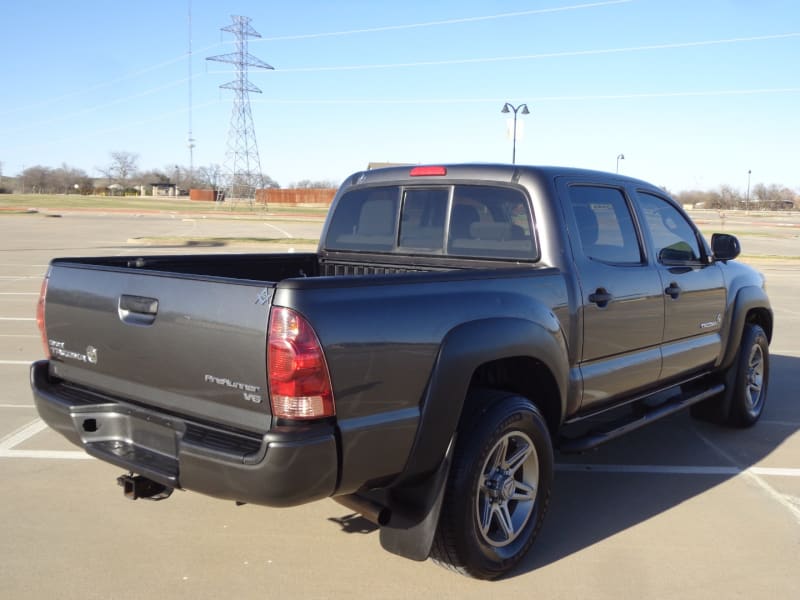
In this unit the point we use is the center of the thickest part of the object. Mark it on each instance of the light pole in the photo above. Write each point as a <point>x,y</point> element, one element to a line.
<point>747,198</point>
<point>620,156</point>
<point>507,108</point>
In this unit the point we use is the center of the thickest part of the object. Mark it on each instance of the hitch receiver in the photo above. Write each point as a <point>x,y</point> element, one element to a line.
<point>136,486</point>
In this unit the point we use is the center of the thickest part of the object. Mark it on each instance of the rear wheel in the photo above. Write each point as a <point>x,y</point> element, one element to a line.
<point>499,487</point>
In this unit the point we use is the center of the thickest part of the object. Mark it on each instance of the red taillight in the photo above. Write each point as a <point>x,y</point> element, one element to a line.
<point>427,171</point>
<point>40,305</point>
<point>299,383</point>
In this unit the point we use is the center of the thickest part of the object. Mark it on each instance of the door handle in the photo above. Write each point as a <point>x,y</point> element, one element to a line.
<point>601,297</point>
<point>674,290</point>
<point>137,310</point>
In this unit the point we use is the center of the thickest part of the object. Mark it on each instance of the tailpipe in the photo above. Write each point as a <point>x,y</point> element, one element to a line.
<point>371,511</point>
<point>136,486</point>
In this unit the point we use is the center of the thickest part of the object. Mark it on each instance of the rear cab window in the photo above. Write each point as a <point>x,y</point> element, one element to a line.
<point>469,221</point>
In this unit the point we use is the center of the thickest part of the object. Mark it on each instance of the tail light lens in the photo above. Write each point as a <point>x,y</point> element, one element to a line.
<point>299,382</point>
<point>40,306</point>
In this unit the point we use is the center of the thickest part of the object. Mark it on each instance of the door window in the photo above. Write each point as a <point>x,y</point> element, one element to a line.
<point>674,238</point>
<point>605,225</point>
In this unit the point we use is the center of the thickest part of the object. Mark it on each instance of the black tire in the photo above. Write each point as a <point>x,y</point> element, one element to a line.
<point>499,486</point>
<point>752,378</point>
<point>746,383</point>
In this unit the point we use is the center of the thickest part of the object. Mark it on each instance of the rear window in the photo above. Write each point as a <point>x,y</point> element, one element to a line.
<point>468,221</point>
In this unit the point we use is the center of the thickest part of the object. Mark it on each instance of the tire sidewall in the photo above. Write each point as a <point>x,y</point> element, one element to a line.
<point>510,415</point>
<point>741,413</point>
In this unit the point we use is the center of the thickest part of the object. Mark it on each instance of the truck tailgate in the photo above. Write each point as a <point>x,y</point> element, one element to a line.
<point>190,345</point>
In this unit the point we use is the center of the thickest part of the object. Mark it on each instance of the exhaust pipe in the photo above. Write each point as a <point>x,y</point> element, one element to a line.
<point>371,511</point>
<point>136,486</point>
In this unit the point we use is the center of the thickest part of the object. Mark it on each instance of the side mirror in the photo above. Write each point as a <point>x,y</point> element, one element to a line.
<point>725,246</point>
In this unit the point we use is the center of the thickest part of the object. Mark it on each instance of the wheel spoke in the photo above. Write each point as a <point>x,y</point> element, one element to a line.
<point>523,492</point>
<point>504,519</point>
<point>499,455</point>
<point>519,458</point>
<point>486,516</point>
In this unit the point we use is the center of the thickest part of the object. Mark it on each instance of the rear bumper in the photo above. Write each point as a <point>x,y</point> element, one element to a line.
<point>280,468</point>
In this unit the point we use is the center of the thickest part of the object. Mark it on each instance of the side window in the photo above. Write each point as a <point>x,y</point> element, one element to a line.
<point>674,238</point>
<point>605,225</point>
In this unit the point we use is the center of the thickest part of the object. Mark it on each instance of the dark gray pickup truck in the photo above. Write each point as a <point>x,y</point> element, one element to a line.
<point>457,324</point>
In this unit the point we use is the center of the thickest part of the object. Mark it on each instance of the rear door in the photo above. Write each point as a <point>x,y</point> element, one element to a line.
<point>622,303</point>
<point>693,286</point>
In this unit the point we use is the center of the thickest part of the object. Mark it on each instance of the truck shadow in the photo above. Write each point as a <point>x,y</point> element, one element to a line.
<point>594,500</point>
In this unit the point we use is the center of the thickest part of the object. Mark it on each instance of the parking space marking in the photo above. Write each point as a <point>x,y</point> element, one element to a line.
<point>16,362</point>
<point>17,318</point>
<point>22,434</point>
<point>19,293</point>
<point>780,498</point>
<point>16,406</point>
<point>675,470</point>
<point>46,454</point>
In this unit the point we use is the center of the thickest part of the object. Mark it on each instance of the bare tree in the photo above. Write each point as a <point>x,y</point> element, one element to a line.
<point>122,168</point>
<point>209,176</point>
<point>311,184</point>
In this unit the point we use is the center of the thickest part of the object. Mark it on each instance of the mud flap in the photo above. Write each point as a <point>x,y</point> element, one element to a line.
<point>415,512</point>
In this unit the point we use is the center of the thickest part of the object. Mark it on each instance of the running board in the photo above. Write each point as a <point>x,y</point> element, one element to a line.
<point>592,439</point>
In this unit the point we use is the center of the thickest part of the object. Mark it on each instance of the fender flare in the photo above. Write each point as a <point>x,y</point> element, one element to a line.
<point>747,299</point>
<point>415,497</point>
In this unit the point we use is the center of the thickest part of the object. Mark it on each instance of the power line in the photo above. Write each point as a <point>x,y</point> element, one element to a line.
<point>533,98</point>
<point>543,55</point>
<point>105,84</point>
<point>426,101</point>
<point>384,28</point>
<point>143,71</point>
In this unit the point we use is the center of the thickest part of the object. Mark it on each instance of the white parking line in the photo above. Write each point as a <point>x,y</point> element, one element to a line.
<point>676,470</point>
<point>17,318</point>
<point>16,406</point>
<point>753,476</point>
<point>19,293</point>
<point>15,362</point>
<point>46,454</point>
<point>22,434</point>
<point>276,228</point>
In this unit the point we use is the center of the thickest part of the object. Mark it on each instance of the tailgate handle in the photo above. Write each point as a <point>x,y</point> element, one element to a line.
<point>137,310</point>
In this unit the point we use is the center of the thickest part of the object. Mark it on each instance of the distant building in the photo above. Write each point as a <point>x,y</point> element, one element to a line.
<point>164,189</point>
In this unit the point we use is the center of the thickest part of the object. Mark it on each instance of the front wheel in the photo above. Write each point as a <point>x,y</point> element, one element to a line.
<point>752,377</point>
<point>499,486</point>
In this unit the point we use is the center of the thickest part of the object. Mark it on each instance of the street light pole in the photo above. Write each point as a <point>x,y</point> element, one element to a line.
<point>747,198</point>
<point>509,108</point>
<point>620,156</point>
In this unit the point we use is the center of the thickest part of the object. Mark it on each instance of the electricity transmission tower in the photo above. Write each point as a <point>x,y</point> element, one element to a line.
<point>241,159</point>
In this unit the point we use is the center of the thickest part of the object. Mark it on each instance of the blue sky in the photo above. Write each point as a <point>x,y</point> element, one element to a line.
<point>694,93</point>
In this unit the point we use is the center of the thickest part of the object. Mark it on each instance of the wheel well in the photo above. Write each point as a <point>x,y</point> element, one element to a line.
<point>762,318</point>
<point>527,377</point>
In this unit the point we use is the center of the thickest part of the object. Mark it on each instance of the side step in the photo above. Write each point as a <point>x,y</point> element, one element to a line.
<point>594,438</point>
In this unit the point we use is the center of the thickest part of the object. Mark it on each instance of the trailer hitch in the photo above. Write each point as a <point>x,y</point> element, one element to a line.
<point>136,486</point>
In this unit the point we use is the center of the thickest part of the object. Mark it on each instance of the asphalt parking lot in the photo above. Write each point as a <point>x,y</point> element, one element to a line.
<point>681,509</point>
